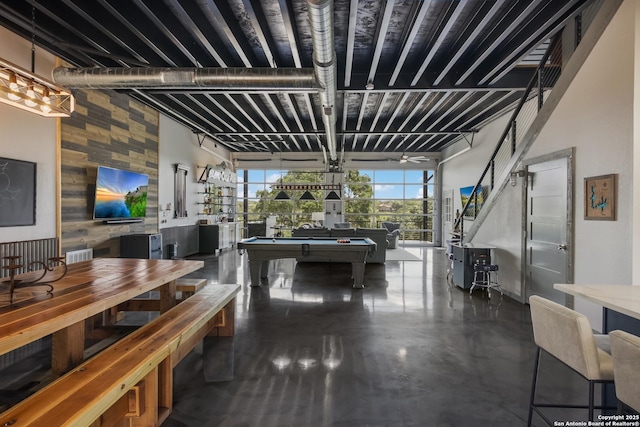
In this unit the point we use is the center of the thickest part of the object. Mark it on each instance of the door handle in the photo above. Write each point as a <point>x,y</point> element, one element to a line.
<point>562,247</point>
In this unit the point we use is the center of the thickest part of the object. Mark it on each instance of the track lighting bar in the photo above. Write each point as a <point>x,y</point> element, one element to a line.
<point>27,91</point>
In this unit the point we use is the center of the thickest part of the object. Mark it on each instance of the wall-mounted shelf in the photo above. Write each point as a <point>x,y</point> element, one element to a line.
<point>217,200</point>
<point>218,195</point>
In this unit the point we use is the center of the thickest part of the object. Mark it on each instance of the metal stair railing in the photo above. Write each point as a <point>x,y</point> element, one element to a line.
<point>590,22</point>
<point>533,98</point>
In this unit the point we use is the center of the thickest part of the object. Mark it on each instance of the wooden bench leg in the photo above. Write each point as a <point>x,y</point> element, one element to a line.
<point>165,389</point>
<point>136,400</point>
<point>188,287</point>
<point>67,348</point>
<point>139,407</point>
<point>149,402</point>
<point>112,316</point>
<point>167,296</point>
<point>225,325</point>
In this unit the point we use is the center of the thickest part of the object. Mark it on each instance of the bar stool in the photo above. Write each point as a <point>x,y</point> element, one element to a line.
<point>625,350</point>
<point>449,254</point>
<point>567,335</point>
<point>485,276</point>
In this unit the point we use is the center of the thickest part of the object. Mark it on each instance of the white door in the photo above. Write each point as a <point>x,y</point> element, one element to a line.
<point>548,251</point>
<point>447,215</point>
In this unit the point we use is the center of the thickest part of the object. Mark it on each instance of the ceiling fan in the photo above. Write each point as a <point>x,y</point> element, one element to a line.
<point>413,159</point>
<point>405,158</point>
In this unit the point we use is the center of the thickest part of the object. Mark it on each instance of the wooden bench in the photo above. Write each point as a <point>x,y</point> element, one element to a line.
<point>131,382</point>
<point>188,287</point>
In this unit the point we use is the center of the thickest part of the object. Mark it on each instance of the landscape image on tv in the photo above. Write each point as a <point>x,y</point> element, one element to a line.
<point>120,194</point>
<point>473,209</point>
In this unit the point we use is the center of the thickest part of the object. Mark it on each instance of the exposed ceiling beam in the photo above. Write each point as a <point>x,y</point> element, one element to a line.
<point>381,35</point>
<point>291,32</point>
<point>210,10</point>
<point>164,30</point>
<point>500,35</point>
<point>530,41</point>
<point>351,36</point>
<point>459,6</point>
<point>469,41</point>
<point>260,33</point>
<point>408,42</point>
<point>135,31</point>
<point>71,5</point>
<point>348,132</point>
<point>198,36</point>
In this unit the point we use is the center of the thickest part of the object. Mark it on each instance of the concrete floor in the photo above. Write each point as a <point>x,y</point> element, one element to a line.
<point>405,351</point>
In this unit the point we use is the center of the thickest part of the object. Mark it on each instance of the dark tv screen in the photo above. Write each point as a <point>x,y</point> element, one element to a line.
<point>120,194</point>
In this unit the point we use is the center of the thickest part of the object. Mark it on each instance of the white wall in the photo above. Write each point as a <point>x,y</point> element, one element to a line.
<point>596,117</point>
<point>465,169</point>
<point>179,145</point>
<point>27,136</point>
<point>500,230</point>
<point>503,230</point>
<point>635,232</point>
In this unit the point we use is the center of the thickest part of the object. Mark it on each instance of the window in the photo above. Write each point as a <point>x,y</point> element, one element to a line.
<point>370,197</point>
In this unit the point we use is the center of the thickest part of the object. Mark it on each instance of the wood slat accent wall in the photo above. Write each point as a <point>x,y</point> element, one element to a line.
<point>108,129</point>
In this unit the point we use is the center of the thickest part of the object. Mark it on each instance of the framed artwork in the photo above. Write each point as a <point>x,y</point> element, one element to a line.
<point>17,193</point>
<point>600,197</point>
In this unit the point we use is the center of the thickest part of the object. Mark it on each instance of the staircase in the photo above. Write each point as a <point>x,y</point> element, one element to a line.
<point>546,88</point>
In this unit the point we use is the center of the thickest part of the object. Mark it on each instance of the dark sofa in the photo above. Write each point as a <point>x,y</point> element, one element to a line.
<point>378,235</point>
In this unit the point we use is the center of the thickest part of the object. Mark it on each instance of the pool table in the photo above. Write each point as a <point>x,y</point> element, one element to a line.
<point>262,249</point>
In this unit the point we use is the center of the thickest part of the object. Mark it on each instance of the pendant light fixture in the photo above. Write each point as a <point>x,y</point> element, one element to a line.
<point>282,195</point>
<point>332,194</point>
<point>307,196</point>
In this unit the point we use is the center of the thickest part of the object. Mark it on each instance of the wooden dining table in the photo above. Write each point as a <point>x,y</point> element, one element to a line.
<point>620,303</point>
<point>88,288</point>
<point>624,299</point>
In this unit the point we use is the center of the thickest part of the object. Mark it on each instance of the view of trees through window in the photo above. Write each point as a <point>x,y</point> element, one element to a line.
<point>369,198</point>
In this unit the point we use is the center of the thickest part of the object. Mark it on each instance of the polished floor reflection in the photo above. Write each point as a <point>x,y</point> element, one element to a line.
<point>405,351</point>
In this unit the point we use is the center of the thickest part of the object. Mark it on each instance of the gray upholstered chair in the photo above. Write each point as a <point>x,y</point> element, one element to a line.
<point>379,236</point>
<point>567,335</point>
<point>625,350</point>
<point>393,233</point>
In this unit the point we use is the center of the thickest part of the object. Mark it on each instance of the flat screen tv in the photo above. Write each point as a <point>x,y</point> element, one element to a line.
<point>120,194</point>
<point>473,209</point>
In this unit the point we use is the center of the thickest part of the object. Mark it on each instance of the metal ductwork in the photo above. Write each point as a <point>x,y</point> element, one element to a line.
<point>324,64</point>
<point>185,78</point>
<point>322,78</point>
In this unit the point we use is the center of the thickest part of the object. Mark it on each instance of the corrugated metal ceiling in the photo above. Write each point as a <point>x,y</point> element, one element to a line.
<point>435,68</point>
